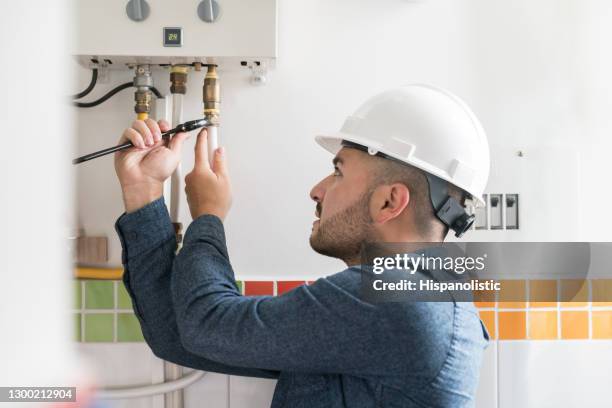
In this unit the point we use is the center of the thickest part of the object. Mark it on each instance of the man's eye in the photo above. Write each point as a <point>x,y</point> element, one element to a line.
<point>337,172</point>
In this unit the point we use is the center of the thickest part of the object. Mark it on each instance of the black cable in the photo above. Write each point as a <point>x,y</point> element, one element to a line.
<point>113,92</point>
<point>90,87</point>
<point>156,92</point>
<point>105,97</point>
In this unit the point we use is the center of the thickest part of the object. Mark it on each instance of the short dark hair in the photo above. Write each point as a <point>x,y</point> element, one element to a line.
<point>428,225</point>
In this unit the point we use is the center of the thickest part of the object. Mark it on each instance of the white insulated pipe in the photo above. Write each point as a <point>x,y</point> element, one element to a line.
<point>213,142</point>
<point>176,181</point>
<point>173,371</point>
<point>150,390</point>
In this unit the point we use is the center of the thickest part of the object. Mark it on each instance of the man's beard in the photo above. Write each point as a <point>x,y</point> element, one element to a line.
<point>343,234</point>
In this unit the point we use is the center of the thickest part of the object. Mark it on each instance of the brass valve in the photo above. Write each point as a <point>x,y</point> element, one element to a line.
<point>211,94</point>
<point>178,79</point>
<point>143,81</point>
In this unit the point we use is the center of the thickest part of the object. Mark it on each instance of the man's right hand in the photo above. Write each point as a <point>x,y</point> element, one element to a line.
<point>143,169</point>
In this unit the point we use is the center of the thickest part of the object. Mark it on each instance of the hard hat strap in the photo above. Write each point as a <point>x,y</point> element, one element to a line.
<point>447,209</point>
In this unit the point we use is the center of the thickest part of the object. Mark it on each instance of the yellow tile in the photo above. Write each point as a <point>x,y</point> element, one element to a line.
<point>602,292</point>
<point>512,325</point>
<point>574,325</point>
<point>488,318</point>
<point>543,325</point>
<point>513,294</point>
<point>602,324</point>
<point>543,293</point>
<point>574,292</point>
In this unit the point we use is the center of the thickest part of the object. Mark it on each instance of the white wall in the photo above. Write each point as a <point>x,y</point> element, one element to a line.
<point>36,201</point>
<point>543,87</point>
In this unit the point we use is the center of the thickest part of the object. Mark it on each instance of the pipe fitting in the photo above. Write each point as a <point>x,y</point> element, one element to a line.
<point>211,94</point>
<point>143,101</point>
<point>143,81</point>
<point>142,77</point>
<point>178,79</point>
<point>178,231</point>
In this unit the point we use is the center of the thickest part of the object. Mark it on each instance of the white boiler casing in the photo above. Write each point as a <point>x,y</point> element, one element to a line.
<point>242,31</point>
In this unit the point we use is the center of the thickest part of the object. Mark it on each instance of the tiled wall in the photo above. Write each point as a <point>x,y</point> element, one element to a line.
<point>103,316</point>
<point>103,310</point>
<point>528,310</point>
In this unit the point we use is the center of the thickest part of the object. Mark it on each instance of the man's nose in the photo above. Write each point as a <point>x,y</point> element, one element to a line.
<point>318,191</point>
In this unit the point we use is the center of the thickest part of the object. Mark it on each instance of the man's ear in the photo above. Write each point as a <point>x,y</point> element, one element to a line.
<point>388,202</point>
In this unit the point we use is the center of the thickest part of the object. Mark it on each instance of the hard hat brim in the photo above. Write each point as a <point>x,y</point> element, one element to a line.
<point>332,144</point>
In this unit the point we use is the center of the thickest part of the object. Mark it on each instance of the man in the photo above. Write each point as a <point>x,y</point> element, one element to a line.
<point>404,164</point>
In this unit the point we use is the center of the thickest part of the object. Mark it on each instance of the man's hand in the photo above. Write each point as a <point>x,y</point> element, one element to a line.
<point>143,169</point>
<point>208,189</point>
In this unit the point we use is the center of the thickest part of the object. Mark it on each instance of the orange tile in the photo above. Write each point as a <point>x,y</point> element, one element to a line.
<point>574,325</point>
<point>542,293</point>
<point>488,318</point>
<point>484,298</point>
<point>601,290</point>
<point>258,288</point>
<point>602,324</point>
<point>543,325</point>
<point>574,292</point>
<point>513,294</point>
<point>512,325</point>
<point>286,286</point>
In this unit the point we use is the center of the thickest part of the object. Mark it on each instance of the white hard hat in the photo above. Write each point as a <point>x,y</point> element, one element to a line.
<point>426,127</point>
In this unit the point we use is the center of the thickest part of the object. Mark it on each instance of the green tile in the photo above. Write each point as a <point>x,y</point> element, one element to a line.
<point>123,297</point>
<point>76,297</point>
<point>99,294</point>
<point>128,328</point>
<point>99,327</point>
<point>77,326</point>
<point>239,283</point>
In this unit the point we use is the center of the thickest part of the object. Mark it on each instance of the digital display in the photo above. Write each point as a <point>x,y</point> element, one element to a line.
<point>173,36</point>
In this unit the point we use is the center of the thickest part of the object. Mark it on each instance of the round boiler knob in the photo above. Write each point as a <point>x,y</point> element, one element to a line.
<point>209,10</point>
<point>137,10</point>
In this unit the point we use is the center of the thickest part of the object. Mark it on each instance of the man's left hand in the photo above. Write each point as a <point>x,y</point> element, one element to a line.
<point>208,188</point>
